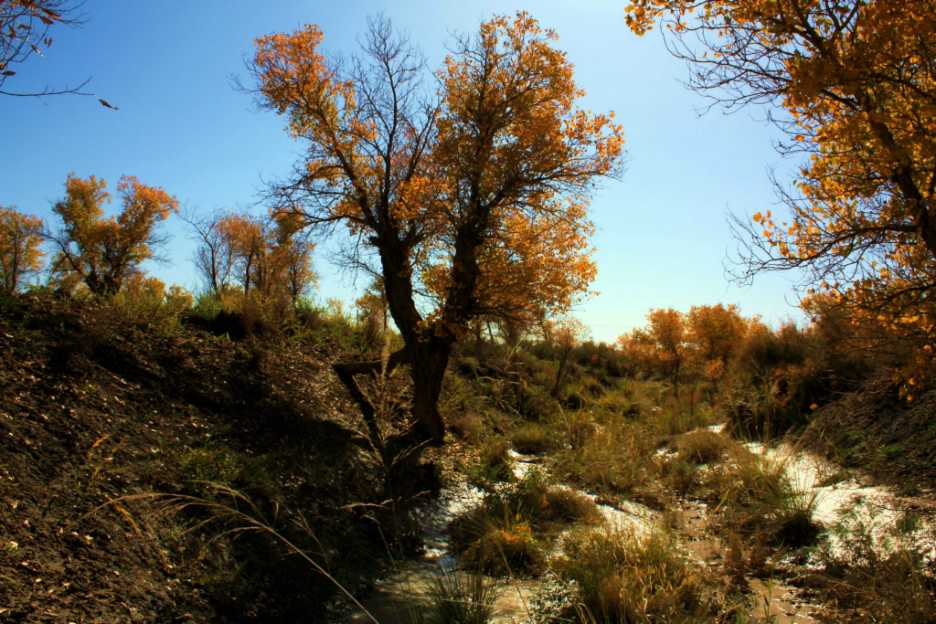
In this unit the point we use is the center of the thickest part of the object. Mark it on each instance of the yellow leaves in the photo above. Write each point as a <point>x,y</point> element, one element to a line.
<point>105,252</point>
<point>20,247</point>
<point>510,159</point>
<point>855,79</point>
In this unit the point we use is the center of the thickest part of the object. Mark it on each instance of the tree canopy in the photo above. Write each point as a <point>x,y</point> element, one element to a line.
<point>857,81</point>
<point>450,193</point>
<point>20,248</point>
<point>103,252</point>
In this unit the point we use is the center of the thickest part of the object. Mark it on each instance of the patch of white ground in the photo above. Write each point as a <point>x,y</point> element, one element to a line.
<point>848,502</point>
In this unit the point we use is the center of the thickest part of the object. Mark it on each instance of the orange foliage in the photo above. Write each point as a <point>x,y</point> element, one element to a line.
<point>715,332</point>
<point>858,80</point>
<point>532,245</point>
<point>20,252</point>
<point>476,200</point>
<point>270,259</point>
<point>105,252</point>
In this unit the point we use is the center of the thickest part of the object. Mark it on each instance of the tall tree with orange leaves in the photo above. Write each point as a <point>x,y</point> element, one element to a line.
<point>20,248</point>
<point>442,192</point>
<point>103,252</point>
<point>857,81</point>
<point>667,330</point>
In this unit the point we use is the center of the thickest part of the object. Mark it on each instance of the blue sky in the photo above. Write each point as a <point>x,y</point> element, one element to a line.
<point>168,65</point>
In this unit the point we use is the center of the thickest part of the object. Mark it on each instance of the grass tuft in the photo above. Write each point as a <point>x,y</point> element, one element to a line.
<point>625,578</point>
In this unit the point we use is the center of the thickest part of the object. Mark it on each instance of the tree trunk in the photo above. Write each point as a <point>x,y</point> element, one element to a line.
<point>560,374</point>
<point>428,363</point>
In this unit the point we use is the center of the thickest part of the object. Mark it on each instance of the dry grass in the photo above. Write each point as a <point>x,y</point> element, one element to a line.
<point>533,438</point>
<point>616,459</point>
<point>460,598</point>
<point>507,534</point>
<point>755,498</point>
<point>702,447</point>
<point>494,464</point>
<point>888,577</point>
<point>622,578</point>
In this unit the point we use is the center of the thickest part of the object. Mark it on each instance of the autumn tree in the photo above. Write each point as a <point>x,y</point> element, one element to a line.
<point>25,30</point>
<point>270,258</point>
<point>247,241</point>
<point>667,331</point>
<point>214,255</point>
<point>715,332</point>
<point>103,252</point>
<point>440,191</point>
<point>291,257</point>
<point>20,248</point>
<point>857,81</point>
<point>639,350</point>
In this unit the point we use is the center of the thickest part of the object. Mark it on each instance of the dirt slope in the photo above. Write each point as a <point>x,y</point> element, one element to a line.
<point>93,408</point>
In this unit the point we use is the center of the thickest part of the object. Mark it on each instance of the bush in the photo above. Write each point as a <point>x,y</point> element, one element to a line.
<point>460,598</point>
<point>625,578</point>
<point>508,549</point>
<point>533,438</point>
<point>147,302</point>
<point>701,447</point>
<point>534,403</point>
<point>494,464</point>
<point>679,476</point>
<point>505,534</point>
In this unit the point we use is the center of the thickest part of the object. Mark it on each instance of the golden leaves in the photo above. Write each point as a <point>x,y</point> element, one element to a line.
<point>20,251</point>
<point>105,251</point>
<point>856,80</point>
<point>506,169</point>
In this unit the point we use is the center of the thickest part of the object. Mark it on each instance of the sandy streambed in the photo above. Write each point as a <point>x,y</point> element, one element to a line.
<point>847,503</point>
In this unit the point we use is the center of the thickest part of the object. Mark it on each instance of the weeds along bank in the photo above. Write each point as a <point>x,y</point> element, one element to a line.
<point>736,536</point>
<point>147,462</point>
<point>169,460</point>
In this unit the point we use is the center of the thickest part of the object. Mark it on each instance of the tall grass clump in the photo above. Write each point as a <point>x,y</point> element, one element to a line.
<point>507,534</point>
<point>533,438</point>
<point>622,578</point>
<point>702,447</point>
<point>614,459</point>
<point>460,598</point>
<point>756,498</point>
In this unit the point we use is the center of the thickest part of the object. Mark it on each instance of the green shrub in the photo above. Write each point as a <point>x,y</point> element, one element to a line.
<point>534,403</point>
<point>210,465</point>
<point>494,464</point>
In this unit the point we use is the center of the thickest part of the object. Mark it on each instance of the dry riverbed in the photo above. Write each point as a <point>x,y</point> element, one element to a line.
<point>781,593</point>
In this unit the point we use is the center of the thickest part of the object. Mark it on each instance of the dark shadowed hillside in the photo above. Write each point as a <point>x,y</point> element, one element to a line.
<point>97,411</point>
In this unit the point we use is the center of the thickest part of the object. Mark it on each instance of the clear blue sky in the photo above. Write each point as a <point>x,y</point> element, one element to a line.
<point>662,233</point>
